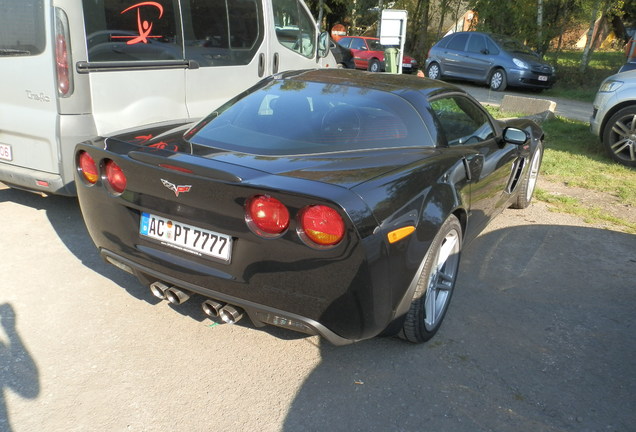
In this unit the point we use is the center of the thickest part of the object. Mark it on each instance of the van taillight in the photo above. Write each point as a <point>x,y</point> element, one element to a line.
<point>63,58</point>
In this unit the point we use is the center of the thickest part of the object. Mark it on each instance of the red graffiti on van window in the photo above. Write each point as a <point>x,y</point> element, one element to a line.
<point>144,27</point>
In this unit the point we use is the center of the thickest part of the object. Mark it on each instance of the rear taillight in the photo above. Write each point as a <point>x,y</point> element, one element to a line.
<point>87,167</point>
<point>115,176</point>
<point>266,216</point>
<point>62,55</point>
<point>321,225</point>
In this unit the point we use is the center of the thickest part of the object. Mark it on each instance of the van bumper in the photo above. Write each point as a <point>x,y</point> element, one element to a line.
<point>34,181</point>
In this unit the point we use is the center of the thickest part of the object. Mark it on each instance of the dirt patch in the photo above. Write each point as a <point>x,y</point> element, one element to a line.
<point>592,200</point>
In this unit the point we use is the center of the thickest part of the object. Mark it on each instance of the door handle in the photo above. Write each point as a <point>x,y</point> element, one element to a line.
<point>261,65</point>
<point>276,61</point>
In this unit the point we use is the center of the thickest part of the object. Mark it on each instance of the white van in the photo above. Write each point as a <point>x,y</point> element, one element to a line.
<point>75,69</point>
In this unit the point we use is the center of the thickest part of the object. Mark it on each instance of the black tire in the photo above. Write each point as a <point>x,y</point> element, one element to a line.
<point>433,71</point>
<point>526,189</point>
<point>435,284</point>
<point>374,65</point>
<point>619,136</point>
<point>498,81</point>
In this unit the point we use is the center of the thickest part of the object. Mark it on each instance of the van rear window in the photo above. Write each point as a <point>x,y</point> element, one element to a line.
<point>22,31</point>
<point>126,31</point>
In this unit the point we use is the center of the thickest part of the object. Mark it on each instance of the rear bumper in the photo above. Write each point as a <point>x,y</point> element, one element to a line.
<point>259,314</point>
<point>34,181</point>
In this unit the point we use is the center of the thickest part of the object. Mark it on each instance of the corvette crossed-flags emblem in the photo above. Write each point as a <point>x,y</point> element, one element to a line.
<point>177,189</point>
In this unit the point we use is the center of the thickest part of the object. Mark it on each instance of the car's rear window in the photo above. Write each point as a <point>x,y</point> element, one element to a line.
<point>22,30</point>
<point>289,117</point>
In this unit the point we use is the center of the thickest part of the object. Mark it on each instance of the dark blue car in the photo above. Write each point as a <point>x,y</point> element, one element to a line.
<point>496,60</point>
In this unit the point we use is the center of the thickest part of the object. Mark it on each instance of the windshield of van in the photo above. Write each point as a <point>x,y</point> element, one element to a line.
<point>22,30</point>
<point>293,117</point>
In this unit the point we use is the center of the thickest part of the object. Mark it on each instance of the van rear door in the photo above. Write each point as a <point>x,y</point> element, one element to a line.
<point>294,43</point>
<point>28,106</point>
<point>135,64</point>
<point>226,40</point>
<point>237,43</point>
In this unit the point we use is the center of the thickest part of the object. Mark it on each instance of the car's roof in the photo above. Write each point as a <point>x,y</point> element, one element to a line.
<point>392,83</point>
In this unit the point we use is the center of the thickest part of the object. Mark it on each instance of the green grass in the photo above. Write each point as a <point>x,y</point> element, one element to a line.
<point>590,214</point>
<point>573,84</point>
<point>575,157</point>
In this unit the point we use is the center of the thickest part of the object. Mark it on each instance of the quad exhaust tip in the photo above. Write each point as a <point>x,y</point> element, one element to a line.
<point>164,292</point>
<point>158,290</point>
<point>212,308</point>
<point>229,314</point>
<point>176,296</point>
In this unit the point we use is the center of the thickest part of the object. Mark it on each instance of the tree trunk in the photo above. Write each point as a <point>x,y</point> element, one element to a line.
<point>540,27</point>
<point>587,52</point>
<point>421,41</point>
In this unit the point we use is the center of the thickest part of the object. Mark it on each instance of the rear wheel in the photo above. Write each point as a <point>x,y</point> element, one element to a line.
<point>526,189</point>
<point>435,284</point>
<point>374,65</point>
<point>619,136</point>
<point>433,71</point>
<point>498,81</point>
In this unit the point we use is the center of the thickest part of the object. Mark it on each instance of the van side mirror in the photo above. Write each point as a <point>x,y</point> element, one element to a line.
<point>515,136</point>
<point>323,45</point>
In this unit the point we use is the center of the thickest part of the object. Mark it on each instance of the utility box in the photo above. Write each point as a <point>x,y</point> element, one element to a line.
<point>393,34</point>
<point>391,60</point>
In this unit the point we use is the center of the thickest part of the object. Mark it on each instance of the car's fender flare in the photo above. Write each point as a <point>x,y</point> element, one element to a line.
<point>444,201</point>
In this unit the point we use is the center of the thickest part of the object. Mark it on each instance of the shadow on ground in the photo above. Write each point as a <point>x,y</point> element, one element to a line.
<point>539,337</point>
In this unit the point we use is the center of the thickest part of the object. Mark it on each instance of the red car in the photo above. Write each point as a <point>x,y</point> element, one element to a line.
<point>368,54</point>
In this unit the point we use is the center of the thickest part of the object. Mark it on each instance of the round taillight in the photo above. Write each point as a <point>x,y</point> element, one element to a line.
<point>87,167</point>
<point>115,176</point>
<point>321,225</point>
<point>266,216</point>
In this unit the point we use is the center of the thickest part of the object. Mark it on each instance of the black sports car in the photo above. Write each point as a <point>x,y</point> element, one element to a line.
<point>331,202</point>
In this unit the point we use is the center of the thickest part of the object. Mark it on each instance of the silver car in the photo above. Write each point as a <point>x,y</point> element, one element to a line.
<point>614,117</point>
<point>496,60</point>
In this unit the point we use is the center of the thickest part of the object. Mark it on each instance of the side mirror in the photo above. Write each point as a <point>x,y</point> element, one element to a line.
<point>323,45</point>
<point>516,136</point>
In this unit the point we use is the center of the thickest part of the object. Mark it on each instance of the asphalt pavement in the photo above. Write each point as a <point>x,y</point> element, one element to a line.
<point>575,110</point>
<point>539,337</point>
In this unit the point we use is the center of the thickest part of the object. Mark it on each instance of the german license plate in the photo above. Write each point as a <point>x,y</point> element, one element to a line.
<point>5,152</point>
<point>178,235</point>
<point>543,78</point>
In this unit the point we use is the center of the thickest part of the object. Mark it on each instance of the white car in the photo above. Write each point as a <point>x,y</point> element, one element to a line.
<point>614,117</point>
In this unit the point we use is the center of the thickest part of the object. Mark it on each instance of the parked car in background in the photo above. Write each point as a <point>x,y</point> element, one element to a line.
<point>498,61</point>
<point>343,56</point>
<point>368,54</point>
<point>614,117</point>
<point>630,55</point>
<point>329,201</point>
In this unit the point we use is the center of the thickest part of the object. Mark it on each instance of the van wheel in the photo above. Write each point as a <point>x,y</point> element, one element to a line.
<point>374,65</point>
<point>498,80</point>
